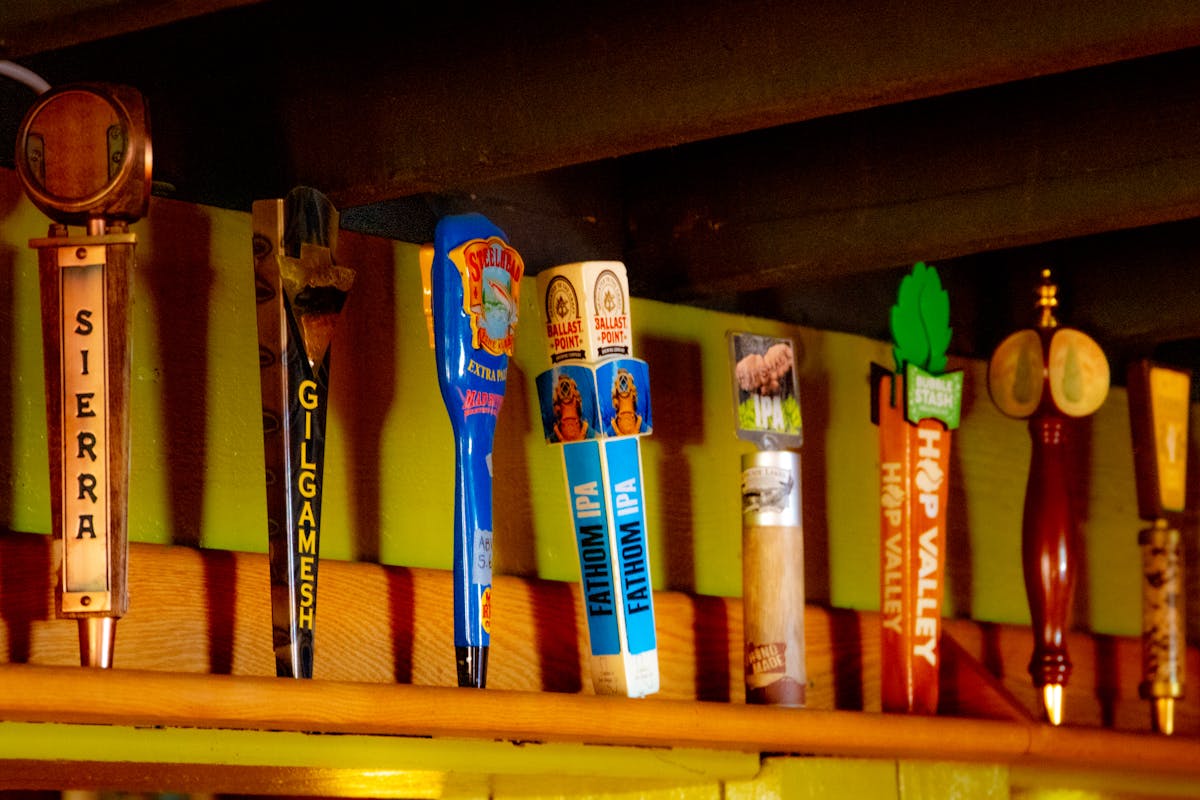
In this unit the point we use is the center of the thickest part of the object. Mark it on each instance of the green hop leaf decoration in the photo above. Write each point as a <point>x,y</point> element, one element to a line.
<point>920,321</point>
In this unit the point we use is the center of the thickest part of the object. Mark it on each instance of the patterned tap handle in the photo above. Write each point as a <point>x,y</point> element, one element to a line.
<point>1159,406</point>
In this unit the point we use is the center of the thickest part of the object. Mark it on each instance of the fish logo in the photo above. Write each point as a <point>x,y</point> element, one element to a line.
<point>491,271</point>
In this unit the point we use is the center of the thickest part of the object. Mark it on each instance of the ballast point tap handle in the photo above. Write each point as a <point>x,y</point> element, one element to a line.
<point>84,158</point>
<point>595,404</point>
<point>474,279</point>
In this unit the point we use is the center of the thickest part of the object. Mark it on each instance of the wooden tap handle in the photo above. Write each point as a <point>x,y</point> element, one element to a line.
<point>773,578</point>
<point>1047,548</point>
<point>83,153</point>
<point>84,157</point>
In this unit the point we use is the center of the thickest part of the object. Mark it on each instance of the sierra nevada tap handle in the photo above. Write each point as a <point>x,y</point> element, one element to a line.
<point>83,156</point>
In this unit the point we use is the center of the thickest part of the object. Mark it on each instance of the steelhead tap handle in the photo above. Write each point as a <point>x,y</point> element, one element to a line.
<point>83,157</point>
<point>1049,374</point>
<point>473,277</point>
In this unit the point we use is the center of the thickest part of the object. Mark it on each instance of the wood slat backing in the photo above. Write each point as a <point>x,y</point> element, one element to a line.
<point>1103,687</point>
<point>205,612</point>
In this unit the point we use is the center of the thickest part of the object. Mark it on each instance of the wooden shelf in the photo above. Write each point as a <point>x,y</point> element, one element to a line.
<point>135,698</point>
<point>193,653</point>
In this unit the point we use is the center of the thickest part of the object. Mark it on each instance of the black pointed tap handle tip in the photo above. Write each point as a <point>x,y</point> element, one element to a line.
<point>472,666</point>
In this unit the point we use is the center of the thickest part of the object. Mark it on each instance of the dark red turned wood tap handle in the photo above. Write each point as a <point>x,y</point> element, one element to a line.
<point>1049,374</point>
<point>1048,556</point>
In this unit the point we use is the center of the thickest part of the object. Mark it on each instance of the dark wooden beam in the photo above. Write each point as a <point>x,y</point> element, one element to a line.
<point>745,155</point>
<point>370,111</point>
<point>490,96</point>
<point>1049,159</point>
<point>29,29</point>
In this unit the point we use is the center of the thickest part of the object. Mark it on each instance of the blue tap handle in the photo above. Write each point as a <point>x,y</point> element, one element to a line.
<point>474,281</point>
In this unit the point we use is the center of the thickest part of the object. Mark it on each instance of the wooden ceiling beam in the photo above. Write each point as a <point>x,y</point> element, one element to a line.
<point>1059,157</point>
<point>372,111</point>
<point>27,30</point>
<point>489,97</point>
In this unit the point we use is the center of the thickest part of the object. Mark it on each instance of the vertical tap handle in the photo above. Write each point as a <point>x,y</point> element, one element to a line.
<point>474,278</point>
<point>1047,552</point>
<point>1159,403</point>
<point>1049,374</point>
<point>83,157</point>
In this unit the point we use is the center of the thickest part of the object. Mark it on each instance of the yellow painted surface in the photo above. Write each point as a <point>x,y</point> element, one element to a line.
<point>48,741</point>
<point>1036,783</point>
<point>818,779</point>
<point>951,781</point>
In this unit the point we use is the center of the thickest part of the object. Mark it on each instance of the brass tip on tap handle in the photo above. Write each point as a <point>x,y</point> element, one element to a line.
<point>1047,301</point>
<point>1052,702</point>
<point>97,637</point>
<point>1163,715</point>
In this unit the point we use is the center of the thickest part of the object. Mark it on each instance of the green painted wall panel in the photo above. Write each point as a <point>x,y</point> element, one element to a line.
<point>197,471</point>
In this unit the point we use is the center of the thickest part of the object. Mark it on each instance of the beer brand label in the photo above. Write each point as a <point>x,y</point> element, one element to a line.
<point>564,325</point>
<point>567,399</point>
<point>307,460</point>
<point>589,511</point>
<point>767,489</point>
<point>766,398</point>
<point>766,658</point>
<point>1170,395</point>
<point>771,489</point>
<point>485,610</point>
<point>491,271</point>
<point>933,396</point>
<point>623,392</point>
<point>610,321</point>
<point>914,462</point>
<point>587,311</point>
<point>85,478</point>
<point>623,462</point>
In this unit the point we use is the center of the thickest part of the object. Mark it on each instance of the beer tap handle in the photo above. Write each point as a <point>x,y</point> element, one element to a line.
<point>1047,557</point>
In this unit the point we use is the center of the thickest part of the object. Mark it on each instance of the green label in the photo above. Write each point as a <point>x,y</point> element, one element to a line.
<point>933,396</point>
